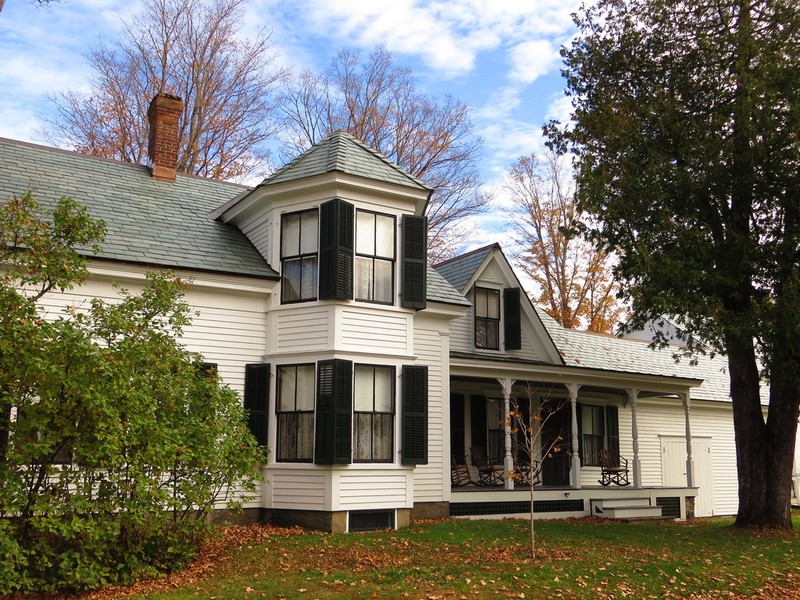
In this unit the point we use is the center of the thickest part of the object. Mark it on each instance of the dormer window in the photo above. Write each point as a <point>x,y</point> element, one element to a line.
<point>375,244</point>
<point>299,232</point>
<point>487,318</point>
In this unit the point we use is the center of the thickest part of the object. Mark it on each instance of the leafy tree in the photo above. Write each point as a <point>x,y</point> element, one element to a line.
<point>191,49</point>
<point>686,116</point>
<point>574,278</point>
<point>378,102</point>
<point>114,445</point>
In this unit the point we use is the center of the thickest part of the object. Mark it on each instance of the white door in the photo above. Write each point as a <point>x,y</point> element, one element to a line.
<point>673,470</point>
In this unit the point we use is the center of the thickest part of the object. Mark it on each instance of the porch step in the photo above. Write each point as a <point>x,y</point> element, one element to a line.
<point>632,512</point>
<point>625,509</point>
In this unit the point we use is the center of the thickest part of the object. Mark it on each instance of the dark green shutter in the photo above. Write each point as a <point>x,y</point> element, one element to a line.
<point>579,416</point>
<point>612,429</point>
<point>511,318</point>
<point>414,442</point>
<point>256,400</point>
<point>334,414</point>
<point>414,267</point>
<point>336,231</point>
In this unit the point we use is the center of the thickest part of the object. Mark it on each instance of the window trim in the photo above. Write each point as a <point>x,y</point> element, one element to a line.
<point>279,413</point>
<point>393,378</point>
<point>300,257</point>
<point>374,257</point>
<point>487,319</point>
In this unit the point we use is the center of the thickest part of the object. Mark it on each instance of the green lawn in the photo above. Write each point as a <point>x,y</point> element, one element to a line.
<point>482,559</point>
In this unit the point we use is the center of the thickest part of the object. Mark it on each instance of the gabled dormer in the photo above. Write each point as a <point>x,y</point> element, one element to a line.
<point>502,322</point>
<point>339,222</point>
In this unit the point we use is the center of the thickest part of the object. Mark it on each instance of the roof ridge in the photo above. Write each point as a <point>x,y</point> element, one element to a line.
<point>468,254</point>
<point>112,161</point>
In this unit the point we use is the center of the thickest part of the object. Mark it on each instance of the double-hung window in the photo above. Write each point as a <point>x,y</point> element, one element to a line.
<point>487,318</point>
<point>373,415</point>
<point>295,408</point>
<point>593,432</point>
<point>375,255</point>
<point>299,234</point>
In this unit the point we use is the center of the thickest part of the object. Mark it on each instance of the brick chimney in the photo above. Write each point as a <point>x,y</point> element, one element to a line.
<point>163,115</point>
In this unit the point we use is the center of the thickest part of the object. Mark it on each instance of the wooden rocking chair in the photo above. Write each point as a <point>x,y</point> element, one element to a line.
<point>613,468</point>
<point>459,472</point>
<point>488,473</point>
<point>528,474</point>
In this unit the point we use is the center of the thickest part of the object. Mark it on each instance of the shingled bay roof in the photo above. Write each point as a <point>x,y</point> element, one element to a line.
<point>439,290</point>
<point>153,222</point>
<point>341,152</point>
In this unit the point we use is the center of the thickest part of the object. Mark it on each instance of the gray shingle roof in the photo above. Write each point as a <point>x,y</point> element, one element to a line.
<point>607,352</point>
<point>459,270</point>
<point>439,290</point>
<point>153,222</point>
<point>340,151</point>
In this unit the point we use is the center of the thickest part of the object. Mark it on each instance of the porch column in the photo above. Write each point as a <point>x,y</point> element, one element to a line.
<point>689,460</point>
<point>575,468</point>
<point>508,461</point>
<point>633,396</point>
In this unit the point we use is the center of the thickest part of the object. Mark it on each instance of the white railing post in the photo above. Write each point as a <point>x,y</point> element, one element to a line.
<point>633,396</point>
<point>575,470</point>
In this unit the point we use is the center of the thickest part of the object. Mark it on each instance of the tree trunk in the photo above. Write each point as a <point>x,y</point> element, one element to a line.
<point>764,450</point>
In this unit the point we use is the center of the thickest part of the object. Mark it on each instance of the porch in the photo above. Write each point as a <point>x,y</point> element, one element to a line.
<point>564,503</point>
<point>574,417</point>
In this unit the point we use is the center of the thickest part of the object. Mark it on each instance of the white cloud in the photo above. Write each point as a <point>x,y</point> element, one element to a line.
<point>532,59</point>
<point>447,36</point>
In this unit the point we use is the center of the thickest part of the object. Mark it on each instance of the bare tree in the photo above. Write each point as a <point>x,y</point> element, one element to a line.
<point>528,425</point>
<point>574,278</point>
<point>191,49</point>
<point>379,103</point>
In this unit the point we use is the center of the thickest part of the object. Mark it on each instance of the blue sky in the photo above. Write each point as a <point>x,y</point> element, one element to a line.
<point>499,56</point>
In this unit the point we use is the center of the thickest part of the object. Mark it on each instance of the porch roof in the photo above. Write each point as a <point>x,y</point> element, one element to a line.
<point>471,366</point>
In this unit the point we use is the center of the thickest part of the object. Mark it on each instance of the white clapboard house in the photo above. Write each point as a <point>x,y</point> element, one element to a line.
<point>382,386</point>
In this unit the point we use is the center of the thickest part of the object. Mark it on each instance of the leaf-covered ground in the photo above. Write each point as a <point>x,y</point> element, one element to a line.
<point>586,558</point>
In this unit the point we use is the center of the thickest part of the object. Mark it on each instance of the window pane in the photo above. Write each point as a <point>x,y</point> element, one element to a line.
<point>492,334</point>
<point>586,419</point>
<point>364,391</point>
<point>384,236</point>
<point>308,285</point>
<point>363,427</point>
<point>363,282</point>
<point>305,436</point>
<point>382,437</point>
<point>287,436</point>
<point>291,280</point>
<point>290,236</point>
<point>493,304</point>
<point>480,302</point>
<point>598,427</point>
<point>365,233</point>
<point>308,232</point>
<point>286,388</point>
<point>305,387</point>
<point>480,333</point>
<point>384,389</point>
<point>383,280</point>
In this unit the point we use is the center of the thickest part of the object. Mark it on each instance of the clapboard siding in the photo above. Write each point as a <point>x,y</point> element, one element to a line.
<point>373,489</point>
<point>666,418</point>
<point>462,338</point>
<point>374,329</point>
<point>430,479</point>
<point>302,329</point>
<point>258,231</point>
<point>302,490</point>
